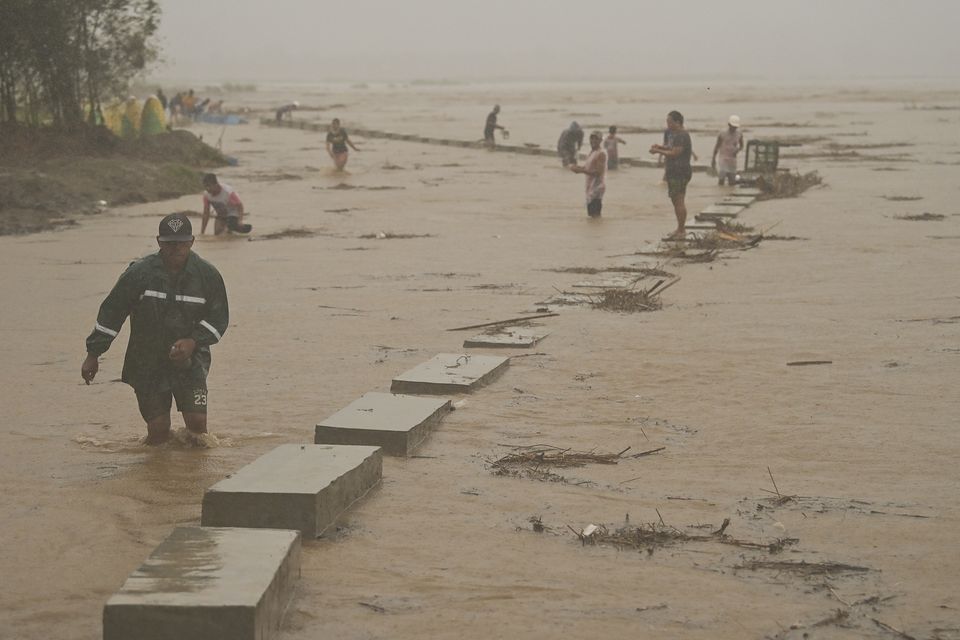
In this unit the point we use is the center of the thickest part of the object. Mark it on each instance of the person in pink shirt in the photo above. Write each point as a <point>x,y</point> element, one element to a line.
<point>595,169</point>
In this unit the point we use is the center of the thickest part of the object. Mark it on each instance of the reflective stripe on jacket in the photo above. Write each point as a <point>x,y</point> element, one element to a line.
<point>163,308</point>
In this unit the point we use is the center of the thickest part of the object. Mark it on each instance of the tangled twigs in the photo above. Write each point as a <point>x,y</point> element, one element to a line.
<point>546,455</point>
<point>804,568</point>
<point>653,534</point>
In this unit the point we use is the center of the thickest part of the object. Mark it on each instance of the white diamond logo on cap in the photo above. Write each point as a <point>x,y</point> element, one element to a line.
<point>175,224</point>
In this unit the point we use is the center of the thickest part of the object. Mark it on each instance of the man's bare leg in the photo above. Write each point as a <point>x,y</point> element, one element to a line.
<point>196,422</point>
<point>219,226</point>
<point>680,210</point>
<point>158,430</point>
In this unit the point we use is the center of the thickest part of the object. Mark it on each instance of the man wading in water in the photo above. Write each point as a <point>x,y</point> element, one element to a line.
<point>595,169</point>
<point>178,307</point>
<point>676,150</point>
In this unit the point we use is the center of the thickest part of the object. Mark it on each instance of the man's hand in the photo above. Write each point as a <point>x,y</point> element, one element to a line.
<point>89,368</point>
<point>182,349</point>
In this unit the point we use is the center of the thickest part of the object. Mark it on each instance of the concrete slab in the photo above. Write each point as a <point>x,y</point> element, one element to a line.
<point>723,209</point>
<point>743,201</point>
<point>450,373</point>
<point>396,423</point>
<point>208,584</point>
<point>745,191</point>
<point>698,225</point>
<point>295,486</point>
<point>512,338</point>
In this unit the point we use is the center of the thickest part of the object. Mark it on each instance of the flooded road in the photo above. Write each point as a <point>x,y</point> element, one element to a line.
<point>865,447</point>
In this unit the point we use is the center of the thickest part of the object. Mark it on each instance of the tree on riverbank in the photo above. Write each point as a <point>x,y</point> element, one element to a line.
<point>60,58</point>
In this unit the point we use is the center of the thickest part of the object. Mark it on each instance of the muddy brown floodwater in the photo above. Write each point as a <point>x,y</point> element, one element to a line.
<point>863,451</point>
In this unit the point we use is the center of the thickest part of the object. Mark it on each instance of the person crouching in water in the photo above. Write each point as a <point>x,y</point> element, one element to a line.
<point>224,200</point>
<point>286,111</point>
<point>337,141</point>
<point>595,169</point>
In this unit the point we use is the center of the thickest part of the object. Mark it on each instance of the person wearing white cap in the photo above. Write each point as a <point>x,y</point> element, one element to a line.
<point>287,110</point>
<point>729,144</point>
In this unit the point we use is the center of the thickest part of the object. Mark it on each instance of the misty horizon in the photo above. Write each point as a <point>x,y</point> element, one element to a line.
<point>428,40</point>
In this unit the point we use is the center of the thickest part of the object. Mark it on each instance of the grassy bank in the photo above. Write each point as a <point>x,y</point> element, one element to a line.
<point>50,179</point>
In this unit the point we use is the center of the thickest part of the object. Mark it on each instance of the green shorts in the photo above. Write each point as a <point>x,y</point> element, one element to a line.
<point>188,388</point>
<point>677,187</point>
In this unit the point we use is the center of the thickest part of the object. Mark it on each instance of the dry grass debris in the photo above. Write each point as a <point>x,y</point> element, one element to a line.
<point>787,184</point>
<point>536,462</point>
<point>804,568</point>
<point>651,535</point>
<point>625,300</point>
<point>922,217</point>
<point>651,272</point>
<point>287,233</point>
<point>731,227</point>
<point>387,235</point>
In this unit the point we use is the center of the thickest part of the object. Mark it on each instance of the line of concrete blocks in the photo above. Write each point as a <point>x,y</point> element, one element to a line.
<point>726,209</point>
<point>233,577</point>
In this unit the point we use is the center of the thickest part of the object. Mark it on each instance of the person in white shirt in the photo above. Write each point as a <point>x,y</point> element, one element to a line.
<point>729,144</point>
<point>223,199</point>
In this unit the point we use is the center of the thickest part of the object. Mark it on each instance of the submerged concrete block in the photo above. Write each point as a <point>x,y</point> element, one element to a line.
<point>743,201</point>
<point>506,339</point>
<point>396,423</point>
<point>722,210</point>
<point>697,225</point>
<point>450,373</point>
<point>745,191</point>
<point>302,487</point>
<point>208,584</point>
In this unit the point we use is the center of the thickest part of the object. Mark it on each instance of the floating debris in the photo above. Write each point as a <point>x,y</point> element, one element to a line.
<point>803,568</point>
<point>287,233</point>
<point>922,217</point>
<point>387,235</point>
<point>787,184</point>
<point>625,300</point>
<point>658,534</point>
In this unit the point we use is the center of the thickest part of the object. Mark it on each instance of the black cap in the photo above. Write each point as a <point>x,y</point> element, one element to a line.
<point>175,227</point>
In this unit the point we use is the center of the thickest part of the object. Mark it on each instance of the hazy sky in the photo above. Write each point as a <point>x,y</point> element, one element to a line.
<point>369,40</point>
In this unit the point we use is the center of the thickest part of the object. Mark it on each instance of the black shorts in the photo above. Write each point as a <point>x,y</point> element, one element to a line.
<point>233,224</point>
<point>188,388</point>
<point>594,207</point>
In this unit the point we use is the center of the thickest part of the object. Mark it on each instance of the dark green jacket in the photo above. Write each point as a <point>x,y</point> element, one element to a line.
<point>163,308</point>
